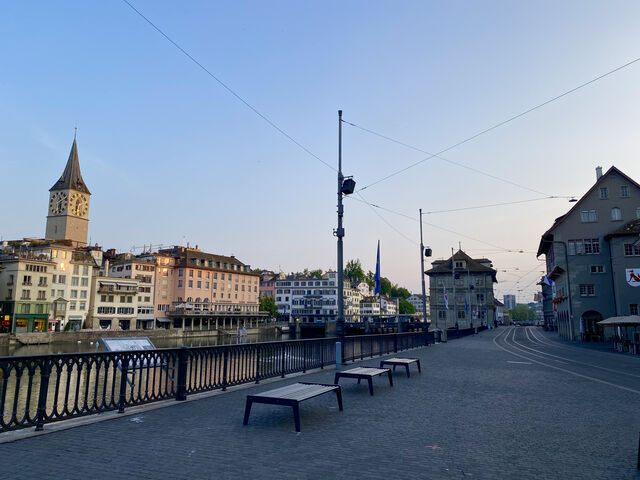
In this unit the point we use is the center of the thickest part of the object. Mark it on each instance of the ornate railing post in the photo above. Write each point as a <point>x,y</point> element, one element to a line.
<point>395,343</point>
<point>284,345</point>
<point>183,363</point>
<point>304,356</point>
<point>257,363</point>
<point>224,369</point>
<point>124,367</point>
<point>45,373</point>
<point>322,354</point>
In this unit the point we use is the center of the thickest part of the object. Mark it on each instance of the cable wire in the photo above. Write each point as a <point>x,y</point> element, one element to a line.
<point>385,221</point>
<point>227,87</point>
<point>493,127</point>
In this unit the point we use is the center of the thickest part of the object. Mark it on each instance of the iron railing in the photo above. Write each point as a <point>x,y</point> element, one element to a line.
<point>40,389</point>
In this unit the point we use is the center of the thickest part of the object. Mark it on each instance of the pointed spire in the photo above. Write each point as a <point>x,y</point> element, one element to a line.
<point>71,177</point>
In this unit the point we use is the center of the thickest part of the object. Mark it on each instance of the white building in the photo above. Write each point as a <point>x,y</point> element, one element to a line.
<point>364,289</point>
<point>145,272</point>
<point>308,299</point>
<point>352,298</point>
<point>370,308</point>
<point>389,306</point>
<point>115,303</point>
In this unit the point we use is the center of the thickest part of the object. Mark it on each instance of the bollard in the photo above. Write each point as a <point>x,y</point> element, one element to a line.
<point>338,355</point>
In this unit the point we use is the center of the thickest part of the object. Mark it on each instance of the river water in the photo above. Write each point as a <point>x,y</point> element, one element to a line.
<point>75,347</point>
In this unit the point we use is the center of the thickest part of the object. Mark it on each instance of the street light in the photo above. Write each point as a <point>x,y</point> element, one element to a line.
<point>346,186</point>
<point>424,252</point>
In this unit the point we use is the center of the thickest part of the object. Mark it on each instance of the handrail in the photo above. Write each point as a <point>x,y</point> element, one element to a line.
<point>40,389</point>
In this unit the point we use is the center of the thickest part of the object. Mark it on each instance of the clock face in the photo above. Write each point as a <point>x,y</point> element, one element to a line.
<point>58,203</point>
<point>78,204</point>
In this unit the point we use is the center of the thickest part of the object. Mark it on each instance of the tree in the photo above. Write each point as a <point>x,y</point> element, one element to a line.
<point>353,271</point>
<point>400,292</point>
<point>522,313</point>
<point>315,273</point>
<point>385,286</point>
<point>268,304</point>
<point>405,307</point>
<point>370,279</point>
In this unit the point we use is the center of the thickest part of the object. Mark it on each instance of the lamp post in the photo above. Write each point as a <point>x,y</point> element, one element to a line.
<point>345,187</point>
<point>423,253</point>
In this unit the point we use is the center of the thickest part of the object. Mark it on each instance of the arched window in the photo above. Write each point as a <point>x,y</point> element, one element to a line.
<point>197,299</point>
<point>189,299</point>
<point>616,214</point>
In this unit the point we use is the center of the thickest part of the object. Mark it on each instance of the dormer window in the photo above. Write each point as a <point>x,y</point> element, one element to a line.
<point>460,264</point>
<point>604,192</point>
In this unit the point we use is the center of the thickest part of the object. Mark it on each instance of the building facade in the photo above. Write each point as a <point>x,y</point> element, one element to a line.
<point>509,302</point>
<point>461,292</point>
<point>308,299</point>
<point>587,252</point>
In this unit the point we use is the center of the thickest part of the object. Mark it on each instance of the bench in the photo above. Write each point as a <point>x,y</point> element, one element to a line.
<point>364,373</point>
<point>291,396</point>
<point>401,362</point>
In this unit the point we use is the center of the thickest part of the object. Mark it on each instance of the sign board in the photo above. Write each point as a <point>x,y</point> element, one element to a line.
<point>633,276</point>
<point>131,344</point>
<point>128,344</point>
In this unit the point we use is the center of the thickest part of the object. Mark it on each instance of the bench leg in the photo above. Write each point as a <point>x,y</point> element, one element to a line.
<point>339,397</point>
<point>370,385</point>
<point>407,367</point>
<point>359,381</point>
<point>247,411</point>
<point>390,378</point>
<point>296,416</point>
<point>381,364</point>
<point>419,369</point>
<point>335,379</point>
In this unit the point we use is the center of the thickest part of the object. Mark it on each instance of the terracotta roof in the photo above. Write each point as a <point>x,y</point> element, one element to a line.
<point>71,177</point>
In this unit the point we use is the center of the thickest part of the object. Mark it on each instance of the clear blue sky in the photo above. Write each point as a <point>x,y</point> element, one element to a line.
<point>171,157</point>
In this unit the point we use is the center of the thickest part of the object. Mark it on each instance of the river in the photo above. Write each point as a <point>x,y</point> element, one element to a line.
<point>81,347</point>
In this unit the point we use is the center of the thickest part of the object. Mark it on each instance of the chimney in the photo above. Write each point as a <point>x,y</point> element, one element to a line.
<point>598,173</point>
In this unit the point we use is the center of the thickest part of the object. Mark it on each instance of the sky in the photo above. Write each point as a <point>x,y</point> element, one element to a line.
<point>171,156</point>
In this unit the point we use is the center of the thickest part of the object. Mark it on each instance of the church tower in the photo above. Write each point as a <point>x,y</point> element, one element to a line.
<point>68,217</point>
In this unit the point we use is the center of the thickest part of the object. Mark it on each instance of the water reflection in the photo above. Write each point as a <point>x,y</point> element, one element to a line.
<point>75,347</point>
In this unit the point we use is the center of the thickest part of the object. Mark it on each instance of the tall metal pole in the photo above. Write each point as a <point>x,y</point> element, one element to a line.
<point>424,293</point>
<point>340,235</point>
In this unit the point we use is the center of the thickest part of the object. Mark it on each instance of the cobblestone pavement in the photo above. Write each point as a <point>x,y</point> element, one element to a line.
<point>512,403</point>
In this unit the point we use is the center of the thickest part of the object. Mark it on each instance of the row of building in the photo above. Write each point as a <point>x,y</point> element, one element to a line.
<point>60,282</point>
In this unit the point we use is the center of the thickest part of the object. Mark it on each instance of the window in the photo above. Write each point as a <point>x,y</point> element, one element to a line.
<point>597,268</point>
<point>633,309</point>
<point>191,273</point>
<point>198,283</point>
<point>72,305</point>
<point>84,282</point>
<point>62,279</point>
<point>179,283</point>
<point>604,192</point>
<point>181,273</point>
<point>631,250</point>
<point>461,314</point>
<point>587,290</point>
<point>199,273</point>
<point>588,216</point>
<point>442,314</point>
<point>616,214</point>
<point>206,285</point>
<point>85,270</point>
<point>624,191</point>
<point>75,281</point>
<point>61,293</point>
<point>122,299</point>
<point>460,264</point>
<point>74,293</point>
<point>587,246</point>
<point>190,283</point>
<point>103,298</point>
<point>83,306</point>
<point>76,269</point>
<point>83,294</point>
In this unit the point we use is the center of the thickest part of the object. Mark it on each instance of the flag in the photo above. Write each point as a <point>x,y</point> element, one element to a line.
<point>466,306</point>
<point>377,290</point>
<point>446,299</point>
<point>547,281</point>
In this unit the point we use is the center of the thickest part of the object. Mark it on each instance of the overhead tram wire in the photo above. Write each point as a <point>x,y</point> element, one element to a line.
<point>228,88</point>
<point>489,129</point>
<point>372,205</point>
<point>386,222</point>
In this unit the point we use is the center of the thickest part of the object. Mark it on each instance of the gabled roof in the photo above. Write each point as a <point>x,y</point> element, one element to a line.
<point>71,177</point>
<point>547,237</point>
<point>472,265</point>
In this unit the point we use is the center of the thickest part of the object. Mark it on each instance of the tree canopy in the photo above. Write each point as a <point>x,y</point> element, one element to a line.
<point>522,313</point>
<point>405,307</point>
<point>353,271</point>
<point>268,304</point>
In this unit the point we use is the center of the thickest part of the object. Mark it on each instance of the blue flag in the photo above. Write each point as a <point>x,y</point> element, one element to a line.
<point>466,306</point>
<point>377,290</point>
